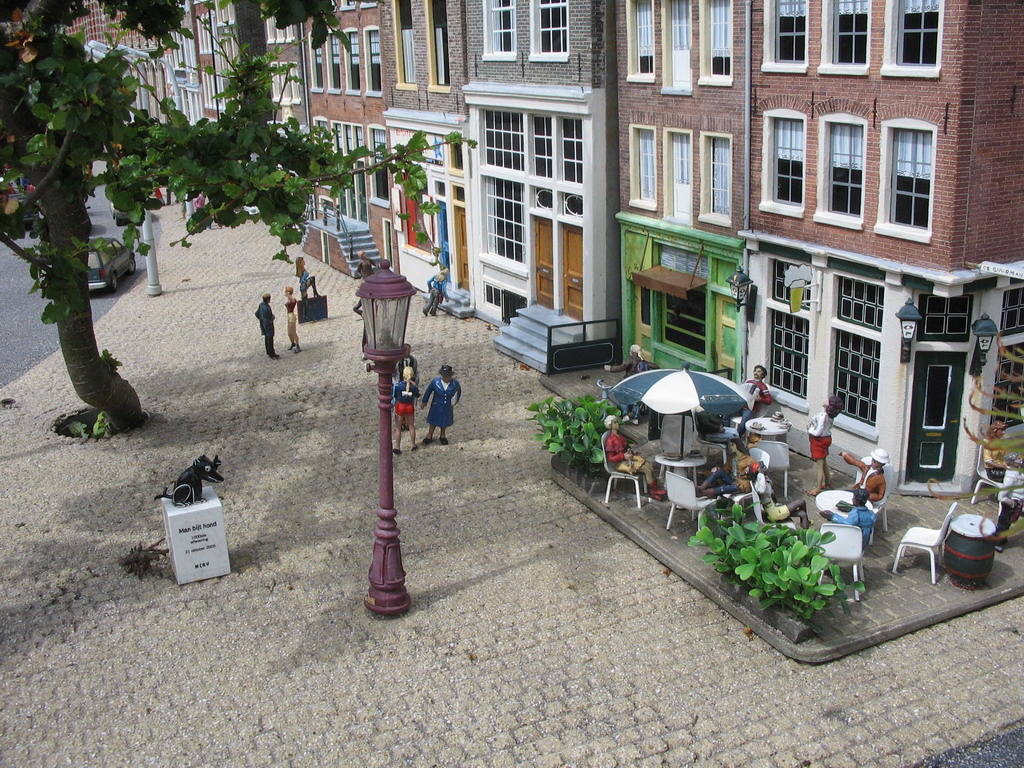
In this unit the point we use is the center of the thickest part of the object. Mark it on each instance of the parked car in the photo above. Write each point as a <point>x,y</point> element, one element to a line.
<point>107,267</point>
<point>120,217</point>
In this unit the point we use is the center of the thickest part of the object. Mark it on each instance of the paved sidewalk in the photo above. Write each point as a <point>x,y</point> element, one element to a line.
<point>893,605</point>
<point>538,635</point>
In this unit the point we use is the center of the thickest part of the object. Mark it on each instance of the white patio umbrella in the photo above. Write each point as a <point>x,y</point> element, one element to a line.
<point>677,391</point>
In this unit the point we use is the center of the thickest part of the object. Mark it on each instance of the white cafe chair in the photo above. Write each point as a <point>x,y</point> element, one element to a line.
<point>983,479</point>
<point>683,493</point>
<point>848,547</point>
<point>929,539</point>
<point>778,453</point>
<point>614,474</point>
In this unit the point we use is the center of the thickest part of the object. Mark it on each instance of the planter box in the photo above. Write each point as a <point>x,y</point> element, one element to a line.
<point>794,630</point>
<point>588,483</point>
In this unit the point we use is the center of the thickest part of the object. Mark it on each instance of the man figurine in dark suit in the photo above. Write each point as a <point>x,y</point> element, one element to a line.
<point>266,317</point>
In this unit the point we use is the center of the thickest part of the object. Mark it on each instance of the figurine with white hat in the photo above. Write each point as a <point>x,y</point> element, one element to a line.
<point>872,475</point>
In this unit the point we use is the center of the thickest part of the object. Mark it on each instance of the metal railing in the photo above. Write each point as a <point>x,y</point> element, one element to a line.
<point>583,344</point>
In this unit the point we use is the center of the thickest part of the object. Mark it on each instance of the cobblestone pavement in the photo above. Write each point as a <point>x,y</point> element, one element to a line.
<point>538,634</point>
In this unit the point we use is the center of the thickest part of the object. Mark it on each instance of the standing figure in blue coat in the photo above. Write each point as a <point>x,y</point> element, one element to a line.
<point>446,392</point>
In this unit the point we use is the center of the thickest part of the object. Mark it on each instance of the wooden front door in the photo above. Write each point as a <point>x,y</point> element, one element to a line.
<point>572,261</point>
<point>459,233</point>
<point>935,415</point>
<point>725,337</point>
<point>543,247</point>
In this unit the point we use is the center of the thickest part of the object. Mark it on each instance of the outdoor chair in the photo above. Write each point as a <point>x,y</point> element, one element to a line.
<point>614,475</point>
<point>848,547</point>
<point>722,447</point>
<point>778,452</point>
<point>880,506</point>
<point>983,479</point>
<point>929,539</point>
<point>683,493</point>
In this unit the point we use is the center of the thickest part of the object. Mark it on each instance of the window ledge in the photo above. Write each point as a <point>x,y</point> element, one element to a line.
<point>405,86</point>
<point>851,70</point>
<point>381,203</point>
<point>785,68</point>
<point>678,221</point>
<point>547,57</point>
<point>646,205</point>
<point>669,91</point>
<point>839,220</point>
<point>314,89</point>
<point>782,209</point>
<point>353,93</point>
<point>636,78</point>
<point>716,81</point>
<point>439,88</point>
<point>898,70</point>
<point>855,427</point>
<point>511,56</point>
<point>903,232</point>
<point>718,219</point>
<point>334,91</point>
<point>792,402</point>
<point>374,94</point>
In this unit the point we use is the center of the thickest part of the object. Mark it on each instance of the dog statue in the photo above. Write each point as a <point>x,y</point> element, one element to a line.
<point>189,488</point>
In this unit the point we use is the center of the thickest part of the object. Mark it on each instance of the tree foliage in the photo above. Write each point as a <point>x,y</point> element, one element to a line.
<point>62,110</point>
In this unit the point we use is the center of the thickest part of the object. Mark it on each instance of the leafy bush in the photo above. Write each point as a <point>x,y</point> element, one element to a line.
<point>572,430</point>
<point>780,566</point>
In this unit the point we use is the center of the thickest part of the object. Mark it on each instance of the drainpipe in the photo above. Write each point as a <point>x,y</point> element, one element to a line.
<point>745,263</point>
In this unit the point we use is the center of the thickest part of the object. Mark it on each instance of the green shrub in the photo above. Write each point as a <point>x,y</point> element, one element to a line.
<point>572,430</point>
<point>780,566</point>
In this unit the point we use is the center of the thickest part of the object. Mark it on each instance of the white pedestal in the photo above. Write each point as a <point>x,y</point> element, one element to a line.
<point>196,541</point>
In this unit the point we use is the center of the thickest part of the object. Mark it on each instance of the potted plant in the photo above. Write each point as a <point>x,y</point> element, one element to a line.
<point>571,431</point>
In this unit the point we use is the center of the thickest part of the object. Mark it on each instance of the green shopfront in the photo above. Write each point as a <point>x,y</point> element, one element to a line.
<point>675,298</point>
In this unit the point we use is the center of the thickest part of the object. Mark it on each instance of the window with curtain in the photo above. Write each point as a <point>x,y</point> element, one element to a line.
<point>680,21</point>
<point>502,18</point>
<point>407,56</point>
<point>721,173</point>
<point>850,32</point>
<point>912,177</point>
<point>846,168</point>
<point>721,37</point>
<point>789,161</point>
<point>791,31</point>
<point>919,32</point>
<point>439,20</point>
<point>644,10</point>
<point>645,164</point>
<point>682,171</point>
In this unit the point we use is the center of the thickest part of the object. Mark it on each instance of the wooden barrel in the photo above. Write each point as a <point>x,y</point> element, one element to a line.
<point>969,551</point>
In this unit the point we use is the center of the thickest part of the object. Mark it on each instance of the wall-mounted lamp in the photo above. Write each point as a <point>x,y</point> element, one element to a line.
<point>739,286</point>
<point>909,317</point>
<point>984,331</point>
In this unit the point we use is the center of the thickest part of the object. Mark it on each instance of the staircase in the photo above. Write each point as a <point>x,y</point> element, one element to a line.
<point>525,338</point>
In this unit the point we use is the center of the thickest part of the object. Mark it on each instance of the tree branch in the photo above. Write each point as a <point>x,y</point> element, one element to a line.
<point>55,170</point>
<point>21,253</point>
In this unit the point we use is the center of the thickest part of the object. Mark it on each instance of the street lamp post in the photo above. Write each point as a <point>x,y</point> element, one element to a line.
<point>984,331</point>
<point>385,298</point>
<point>909,317</point>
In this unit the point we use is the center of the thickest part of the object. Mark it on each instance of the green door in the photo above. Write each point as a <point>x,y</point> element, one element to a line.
<point>935,415</point>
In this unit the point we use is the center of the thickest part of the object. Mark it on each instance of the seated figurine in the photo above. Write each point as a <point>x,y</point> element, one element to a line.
<point>774,511</point>
<point>858,515</point>
<point>993,455</point>
<point>624,459</point>
<point>872,476</point>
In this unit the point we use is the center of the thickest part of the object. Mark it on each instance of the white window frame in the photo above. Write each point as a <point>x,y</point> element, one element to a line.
<point>641,172</point>
<point>884,226</point>
<point>769,62</point>
<point>769,168</point>
<point>491,216</point>
<point>331,46</point>
<point>313,86</point>
<point>678,178</point>
<point>376,131</point>
<point>639,38</point>
<point>499,8</point>
<point>707,41</point>
<point>828,66</point>
<point>369,61</point>
<point>822,214</point>
<point>353,44</point>
<point>536,54</point>
<point>893,27</point>
<point>708,215</point>
<point>677,68</point>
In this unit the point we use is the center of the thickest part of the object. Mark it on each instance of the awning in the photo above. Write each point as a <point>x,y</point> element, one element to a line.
<point>668,281</point>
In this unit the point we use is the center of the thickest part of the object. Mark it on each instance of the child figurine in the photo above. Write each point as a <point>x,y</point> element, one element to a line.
<point>446,392</point>
<point>293,320</point>
<point>819,433</point>
<point>405,394</point>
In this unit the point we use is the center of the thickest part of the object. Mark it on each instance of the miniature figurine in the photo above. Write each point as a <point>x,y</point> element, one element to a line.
<point>819,433</point>
<point>858,515</point>
<point>762,397</point>
<point>405,394</point>
<point>762,486</point>
<point>293,319</point>
<point>266,317</point>
<point>189,488</point>
<point>437,292</point>
<point>306,280</point>
<point>635,363</point>
<point>446,393</point>
<point>712,429</point>
<point>993,456</point>
<point>721,482</point>
<point>872,476</point>
<point>619,454</point>
<point>1011,498</point>
<point>364,269</point>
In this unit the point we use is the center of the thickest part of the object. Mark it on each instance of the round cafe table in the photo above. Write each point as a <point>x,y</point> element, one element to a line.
<point>689,461</point>
<point>769,429</point>
<point>827,500</point>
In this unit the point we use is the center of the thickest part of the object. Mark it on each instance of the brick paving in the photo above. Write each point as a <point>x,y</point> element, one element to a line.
<point>538,635</point>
